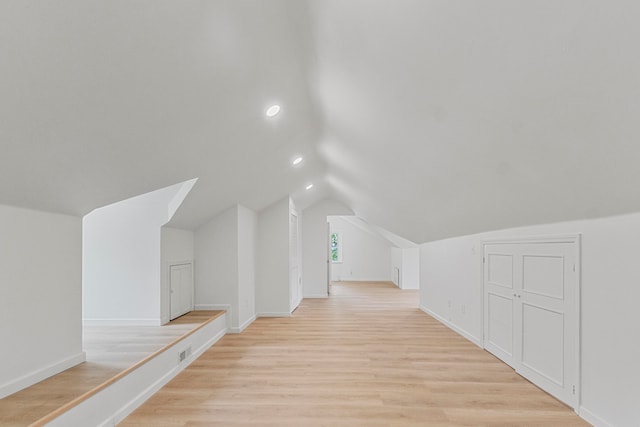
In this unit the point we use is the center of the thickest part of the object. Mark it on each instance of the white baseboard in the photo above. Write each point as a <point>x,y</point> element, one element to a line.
<point>365,279</point>
<point>121,322</point>
<point>31,378</point>
<point>316,296</point>
<point>224,307</point>
<point>161,382</point>
<point>592,418</point>
<point>111,404</point>
<point>237,330</point>
<point>295,304</point>
<point>453,327</point>
<point>199,307</point>
<point>285,314</point>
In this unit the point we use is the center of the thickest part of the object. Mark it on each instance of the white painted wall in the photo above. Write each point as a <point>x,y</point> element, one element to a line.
<point>314,246</point>
<point>396,265</point>
<point>451,277</point>
<point>407,261</point>
<point>272,266</point>
<point>364,256</point>
<point>121,259</point>
<point>176,245</point>
<point>225,265</point>
<point>247,235</point>
<point>41,302</point>
<point>410,274</point>
<point>216,263</point>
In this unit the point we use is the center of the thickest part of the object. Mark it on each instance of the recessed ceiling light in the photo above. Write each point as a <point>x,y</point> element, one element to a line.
<point>273,110</point>
<point>297,161</point>
<point>309,187</point>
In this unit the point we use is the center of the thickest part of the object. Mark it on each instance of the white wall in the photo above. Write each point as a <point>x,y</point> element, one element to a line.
<point>247,235</point>
<point>272,266</point>
<point>364,256</point>
<point>225,265</point>
<point>396,265</point>
<point>41,302</point>
<point>216,263</point>
<point>314,235</point>
<point>176,245</point>
<point>410,274</point>
<point>451,274</point>
<point>121,260</point>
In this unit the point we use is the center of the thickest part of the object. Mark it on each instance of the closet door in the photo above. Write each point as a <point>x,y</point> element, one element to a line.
<point>531,292</point>
<point>547,330</point>
<point>499,295</point>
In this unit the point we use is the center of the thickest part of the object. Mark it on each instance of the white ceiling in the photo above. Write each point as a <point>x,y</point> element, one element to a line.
<point>428,118</point>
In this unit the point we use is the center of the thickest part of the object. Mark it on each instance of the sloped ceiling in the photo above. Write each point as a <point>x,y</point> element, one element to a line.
<point>428,118</point>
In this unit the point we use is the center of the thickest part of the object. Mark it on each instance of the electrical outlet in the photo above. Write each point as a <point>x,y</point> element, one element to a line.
<point>449,303</point>
<point>463,309</point>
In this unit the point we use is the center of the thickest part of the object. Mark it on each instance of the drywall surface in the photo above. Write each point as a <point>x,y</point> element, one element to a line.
<point>41,302</point>
<point>365,256</point>
<point>176,245</point>
<point>272,267</point>
<point>406,263</point>
<point>410,277</point>
<point>314,236</point>
<point>396,265</point>
<point>247,235</point>
<point>216,263</point>
<point>451,278</point>
<point>121,259</point>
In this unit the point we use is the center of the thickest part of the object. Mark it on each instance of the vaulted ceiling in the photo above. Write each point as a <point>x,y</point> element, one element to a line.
<point>428,118</point>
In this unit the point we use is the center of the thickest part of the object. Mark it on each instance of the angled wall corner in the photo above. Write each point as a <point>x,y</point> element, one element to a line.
<point>40,256</point>
<point>225,265</point>
<point>121,277</point>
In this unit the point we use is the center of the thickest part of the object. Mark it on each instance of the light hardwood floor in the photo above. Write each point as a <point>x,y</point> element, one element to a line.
<point>367,356</point>
<point>110,350</point>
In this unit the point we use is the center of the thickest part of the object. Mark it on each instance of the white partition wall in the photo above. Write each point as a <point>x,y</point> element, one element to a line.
<point>41,302</point>
<point>225,251</point>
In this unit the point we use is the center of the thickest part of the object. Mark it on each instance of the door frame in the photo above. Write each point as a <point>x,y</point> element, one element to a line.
<point>576,240</point>
<point>191,285</point>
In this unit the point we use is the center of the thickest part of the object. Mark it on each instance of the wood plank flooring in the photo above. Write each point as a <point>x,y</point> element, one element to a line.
<point>367,356</point>
<point>110,350</point>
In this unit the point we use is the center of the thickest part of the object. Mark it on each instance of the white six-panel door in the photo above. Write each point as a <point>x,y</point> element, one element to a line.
<point>531,320</point>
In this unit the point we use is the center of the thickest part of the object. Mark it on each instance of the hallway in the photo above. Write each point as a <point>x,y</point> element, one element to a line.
<point>366,356</point>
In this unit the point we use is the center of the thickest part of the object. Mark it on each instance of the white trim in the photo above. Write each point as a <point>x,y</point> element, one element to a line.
<point>112,404</point>
<point>239,329</point>
<point>170,264</point>
<point>575,239</point>
<point>274,314</point>
<point>200,307</point>
<point>592,418</point>
<point>121,322</point>
<point>316,296</point>
<point>36,376</point>
<point>125,411</point>
<point>549,238</point>
<point>360,279</point>
<point>452,326</point>
<point>225,307</point>
<point>296,304</point>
